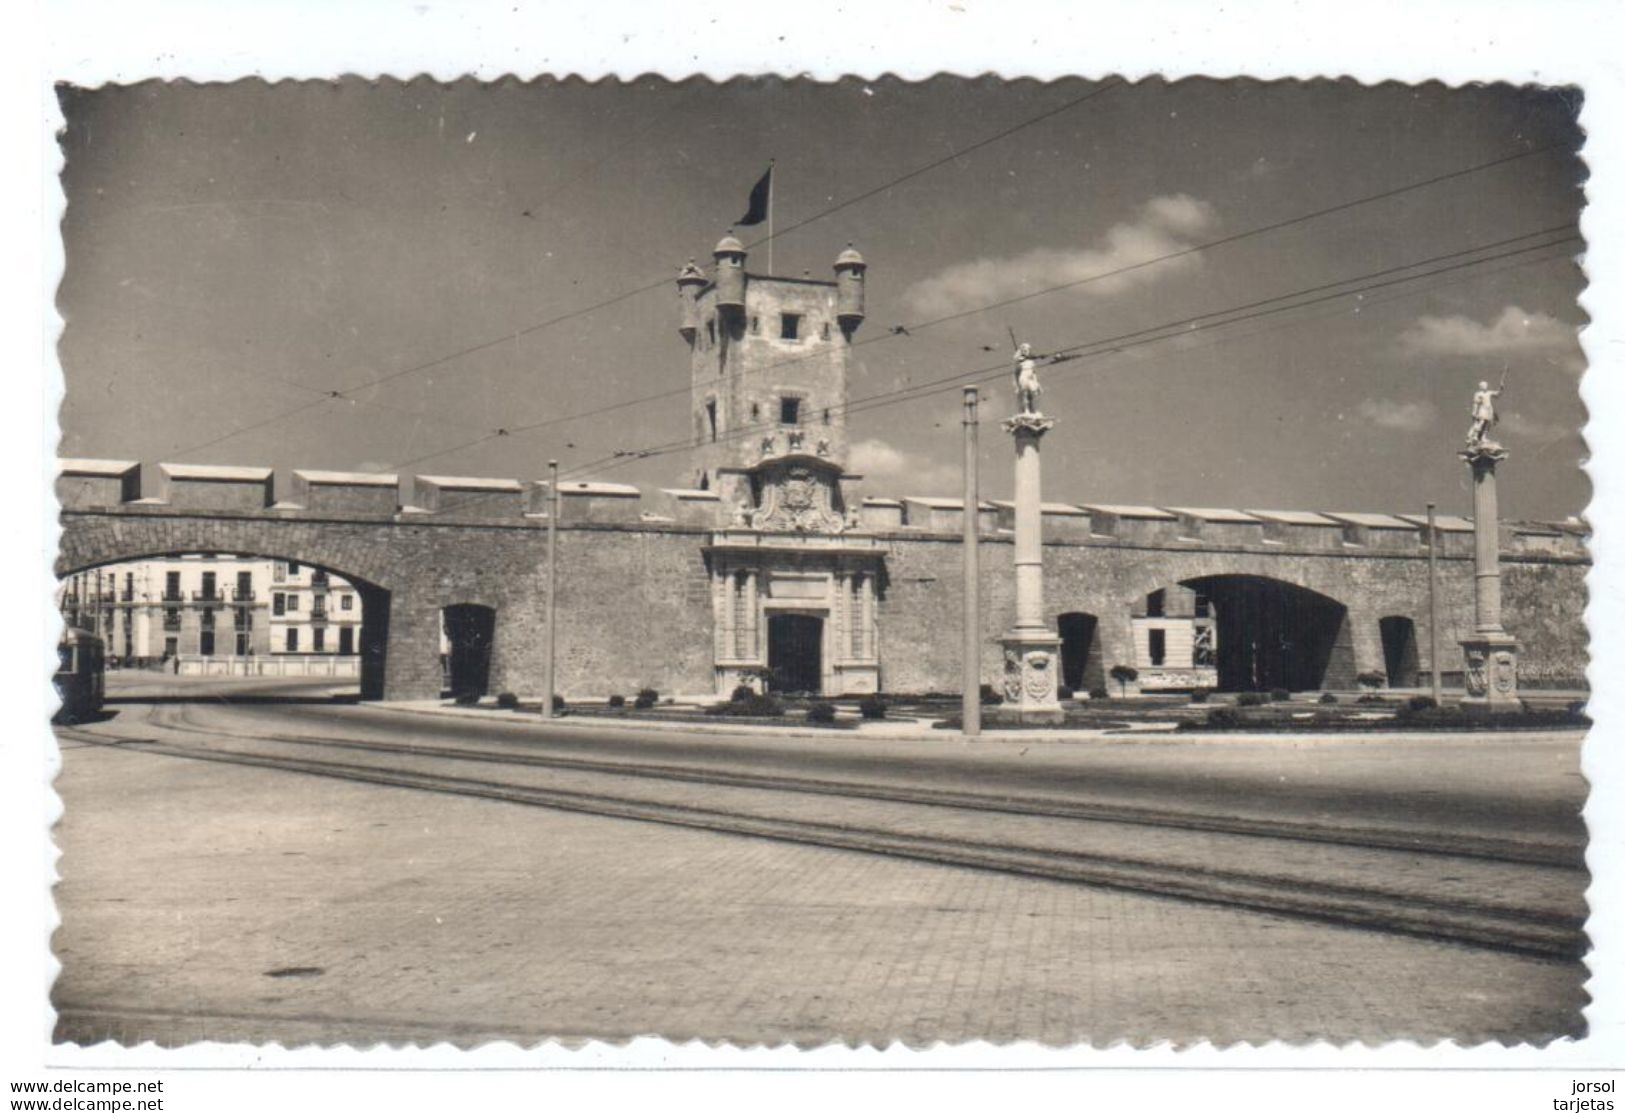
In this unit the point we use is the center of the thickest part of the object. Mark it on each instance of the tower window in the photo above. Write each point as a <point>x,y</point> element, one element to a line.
<point>824,330</point>
<point>711,417</point>
<point>755,325</point>
<point>789,411</point>
<point>710,331</point>
<point>790,326</point>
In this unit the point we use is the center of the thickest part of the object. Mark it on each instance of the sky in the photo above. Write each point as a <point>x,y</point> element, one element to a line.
<point>236,252</point>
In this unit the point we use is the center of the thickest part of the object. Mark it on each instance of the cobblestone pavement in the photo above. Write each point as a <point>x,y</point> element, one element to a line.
<point>411,917</point>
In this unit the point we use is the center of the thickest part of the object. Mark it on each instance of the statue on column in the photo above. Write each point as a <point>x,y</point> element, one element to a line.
<point>1027,385</point>
<point>1484,415</point>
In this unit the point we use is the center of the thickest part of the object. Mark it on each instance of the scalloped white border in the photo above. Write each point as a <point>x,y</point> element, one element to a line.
<point>1559,41</point>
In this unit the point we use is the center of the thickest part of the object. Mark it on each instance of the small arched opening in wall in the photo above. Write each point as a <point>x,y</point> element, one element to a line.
<point>468,635</point>
<point>196,624</point>
<point>1399,654</point>
<point>1268,634</point>
<point>1081,666</point>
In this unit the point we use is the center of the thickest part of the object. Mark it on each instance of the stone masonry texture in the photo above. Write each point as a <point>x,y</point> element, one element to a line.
<point>635,610</point>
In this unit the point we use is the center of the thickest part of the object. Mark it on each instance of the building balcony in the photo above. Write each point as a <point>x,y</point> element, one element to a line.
<point>176,596</point>
<point>213,598</point>
<point>317,618</point>
<point>243,595</point>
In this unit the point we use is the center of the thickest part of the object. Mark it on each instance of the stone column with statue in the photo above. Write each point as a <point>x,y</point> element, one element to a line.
<point>1491,654</point>
<point>1032,652</point>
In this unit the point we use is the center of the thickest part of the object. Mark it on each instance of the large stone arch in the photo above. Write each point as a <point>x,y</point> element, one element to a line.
<point>89,541</point>
<point>1274,629</point>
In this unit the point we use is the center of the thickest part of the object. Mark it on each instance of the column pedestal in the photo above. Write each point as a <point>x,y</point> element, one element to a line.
<point>1491,673</point>
<point>1490,653</point>
<point>1032,669</point>
<point>1032,652</point>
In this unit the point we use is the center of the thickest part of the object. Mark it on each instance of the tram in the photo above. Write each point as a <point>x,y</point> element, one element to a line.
<point>78,675</point>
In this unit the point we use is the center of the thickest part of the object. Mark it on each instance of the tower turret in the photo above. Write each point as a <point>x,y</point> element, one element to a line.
<point>730,257</point>
<point>849,271</point>
<point>690,281</point>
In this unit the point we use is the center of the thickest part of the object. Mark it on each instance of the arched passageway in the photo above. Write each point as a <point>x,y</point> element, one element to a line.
<point>470,632</point>
<point>242,618</point>
<point>1399,656</point>
<point>1272,634</point>
<point>1081,667</point>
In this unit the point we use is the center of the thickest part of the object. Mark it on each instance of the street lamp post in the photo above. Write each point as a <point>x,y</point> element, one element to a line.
<point>1433,605</point>
<point>550,619</point>
<point>971,680</point>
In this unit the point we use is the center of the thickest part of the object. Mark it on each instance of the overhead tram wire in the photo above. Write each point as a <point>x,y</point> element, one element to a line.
<point>1138,338</point>
<point>921,326</point>
<point>680,391</point>
<point>1167,331</point>
<point>626,295</point>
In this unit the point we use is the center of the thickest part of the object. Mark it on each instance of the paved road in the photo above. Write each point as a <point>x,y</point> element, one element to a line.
<point>186,881</point>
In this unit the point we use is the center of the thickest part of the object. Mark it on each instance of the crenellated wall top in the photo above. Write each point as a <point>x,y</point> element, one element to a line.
<point>87,484</point>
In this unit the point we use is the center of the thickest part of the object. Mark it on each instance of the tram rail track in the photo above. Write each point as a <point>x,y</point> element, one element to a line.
<point>1244,879</point>
<point>1414,840</point>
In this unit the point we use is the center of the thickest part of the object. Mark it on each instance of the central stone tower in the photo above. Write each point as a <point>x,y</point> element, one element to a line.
<point>793,579</point>
<point>769,358</point>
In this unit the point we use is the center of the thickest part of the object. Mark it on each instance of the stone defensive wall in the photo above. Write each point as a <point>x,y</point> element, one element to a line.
<point>635,587</point>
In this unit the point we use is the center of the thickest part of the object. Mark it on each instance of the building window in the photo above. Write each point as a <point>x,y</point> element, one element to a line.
<point>1159,646</point>
<point>206,620</point>
<point>346,640</point>
<point>242,644</point>
<point>346,602</point>
<point>293,601</point>
<point>279,603</point>
<point>1156,603</point>
<point>208,586</point>
<point>279,571</point>
<point>318,640</point>
<point>205,643</point>
<point>293,568</point>
<point>1202,652</point>
<point>789,411</point>
<point>790,326</point>
<point>293,639</point>
<point>171,647</point>
<point>172,585</point>
<point>242,618</point>
<point>172,618</point>
<point>1204,606</point>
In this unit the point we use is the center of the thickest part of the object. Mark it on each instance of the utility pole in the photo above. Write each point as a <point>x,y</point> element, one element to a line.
<point>550,621</point>
<point>1433,605</point>
<point>971,683</point>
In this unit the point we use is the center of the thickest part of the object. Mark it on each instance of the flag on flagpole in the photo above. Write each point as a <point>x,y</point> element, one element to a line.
<point>761,198</point>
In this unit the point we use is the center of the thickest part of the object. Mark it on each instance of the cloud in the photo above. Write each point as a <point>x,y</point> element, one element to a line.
<point>1515,332</point>
<point>1534,429</point>
<point>898,472</point>
<point>1163,225</point>
<point>1409,417</point>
